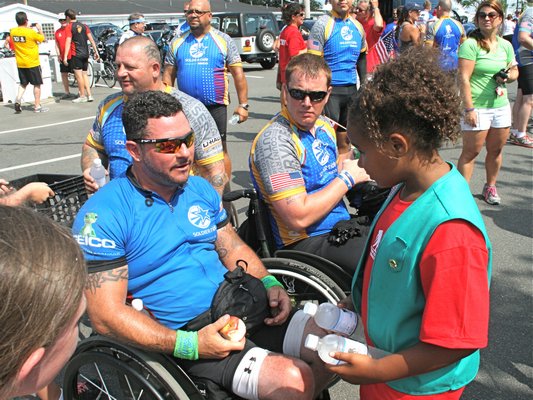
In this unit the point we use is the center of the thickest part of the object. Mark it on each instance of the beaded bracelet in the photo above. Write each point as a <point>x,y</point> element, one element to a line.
<point>186,346</point>
<point>346,177</point>
<point>270,281</point>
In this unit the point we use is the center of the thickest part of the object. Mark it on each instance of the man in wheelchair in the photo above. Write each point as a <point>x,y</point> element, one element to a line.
<point>162,236</point>
<point>296,170</point>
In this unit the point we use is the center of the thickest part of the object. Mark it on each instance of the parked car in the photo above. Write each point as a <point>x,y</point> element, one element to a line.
<point>98,29</point>
<point>253,33</point>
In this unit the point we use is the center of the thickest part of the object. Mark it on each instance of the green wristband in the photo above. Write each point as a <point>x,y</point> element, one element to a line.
<point>186,346</point>
<point>270,281</point>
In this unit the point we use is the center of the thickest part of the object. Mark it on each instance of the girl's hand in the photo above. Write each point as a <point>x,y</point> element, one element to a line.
<point>346,303</point>
<point>359,369</point>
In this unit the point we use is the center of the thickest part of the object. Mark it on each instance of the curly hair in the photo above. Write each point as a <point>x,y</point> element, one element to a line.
<point>411,95</point>
<point>146,105</point>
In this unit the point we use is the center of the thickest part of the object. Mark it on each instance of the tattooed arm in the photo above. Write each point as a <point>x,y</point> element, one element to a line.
<point>110,316</point>
<point>215,174</point>
<point>232,251</point>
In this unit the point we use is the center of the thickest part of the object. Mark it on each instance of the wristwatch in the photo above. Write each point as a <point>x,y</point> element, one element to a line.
<point>244,106</point>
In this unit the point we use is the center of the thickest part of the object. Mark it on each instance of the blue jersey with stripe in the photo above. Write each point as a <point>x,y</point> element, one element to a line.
<point>340,41</point>
<point>447,34</point>
<point>202,65</point>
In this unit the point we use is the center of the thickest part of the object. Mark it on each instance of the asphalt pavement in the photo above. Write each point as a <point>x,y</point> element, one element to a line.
<point>51,143</point>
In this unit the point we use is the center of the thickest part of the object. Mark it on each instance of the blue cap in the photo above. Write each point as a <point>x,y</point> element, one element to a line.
<point>413,7</point>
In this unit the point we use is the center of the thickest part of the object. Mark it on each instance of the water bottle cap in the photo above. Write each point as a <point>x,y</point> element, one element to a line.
<point>310,308</point>
<point>311,342</point>
<point>137,304</point>
<point>97,162</point>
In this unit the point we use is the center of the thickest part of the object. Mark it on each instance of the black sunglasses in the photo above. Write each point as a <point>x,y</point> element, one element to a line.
<point>491,15</point>
<point>169,145</point>
<point>315,97</point>
<point>197,12</point>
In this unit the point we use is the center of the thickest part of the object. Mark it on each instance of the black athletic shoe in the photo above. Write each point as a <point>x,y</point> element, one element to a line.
<point>18,108</point>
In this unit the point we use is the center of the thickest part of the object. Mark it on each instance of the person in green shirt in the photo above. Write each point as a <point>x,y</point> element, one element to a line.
<point>486,64</point>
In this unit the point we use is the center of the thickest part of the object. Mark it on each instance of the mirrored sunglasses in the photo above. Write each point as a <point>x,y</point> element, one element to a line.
<point>169,145</point>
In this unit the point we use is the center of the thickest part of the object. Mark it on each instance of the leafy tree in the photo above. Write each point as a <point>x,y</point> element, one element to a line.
<point>276,4</point>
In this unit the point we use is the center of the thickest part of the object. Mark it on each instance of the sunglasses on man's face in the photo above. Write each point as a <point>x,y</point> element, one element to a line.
<point>196,12</point>
<point>315,97</point>
<point>491,15</point>
<point>169,145</point>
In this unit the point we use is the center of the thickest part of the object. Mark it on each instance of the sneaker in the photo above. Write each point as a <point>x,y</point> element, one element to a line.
<point>491,195</point>
<point>80,100</point>
<point>40,110</point>
<point>524,141</point>
<point>18,108</point>
<point>90,98</point>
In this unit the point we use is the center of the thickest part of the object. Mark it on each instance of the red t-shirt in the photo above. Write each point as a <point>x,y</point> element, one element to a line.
<point>453,274</point>
<point>372,37</point>
<point>291,43</point>
<point>61,37</point>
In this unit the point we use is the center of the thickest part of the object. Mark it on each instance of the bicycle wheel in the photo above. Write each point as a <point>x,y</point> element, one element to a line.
<point>108,74</point>
<point>106,370</point>
<point>90,74</point>
<point>304,282</point>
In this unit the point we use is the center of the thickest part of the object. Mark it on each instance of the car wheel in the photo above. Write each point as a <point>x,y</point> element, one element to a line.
<point>268,63</point>
<point>265,40</point>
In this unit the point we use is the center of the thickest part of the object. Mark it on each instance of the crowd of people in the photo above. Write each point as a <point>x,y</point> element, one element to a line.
<point>168,238</point>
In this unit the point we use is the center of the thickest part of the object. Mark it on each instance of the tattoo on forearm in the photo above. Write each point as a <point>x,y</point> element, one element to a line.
<point>95,281</point>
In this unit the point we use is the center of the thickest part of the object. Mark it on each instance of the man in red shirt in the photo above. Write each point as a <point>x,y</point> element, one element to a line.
<point>291,40</point>
<point>368,14</point>
<point>60,37</point>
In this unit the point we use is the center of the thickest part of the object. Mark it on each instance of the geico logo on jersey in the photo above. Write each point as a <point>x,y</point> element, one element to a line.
<point>95,242</point>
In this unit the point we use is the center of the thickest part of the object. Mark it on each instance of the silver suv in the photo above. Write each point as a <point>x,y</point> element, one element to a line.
<point>253,33</point>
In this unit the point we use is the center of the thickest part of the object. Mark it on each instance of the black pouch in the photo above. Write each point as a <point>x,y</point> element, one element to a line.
<point>241,295</point>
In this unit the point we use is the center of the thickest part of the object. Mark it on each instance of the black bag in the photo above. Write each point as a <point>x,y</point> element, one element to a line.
<point>241,295</point>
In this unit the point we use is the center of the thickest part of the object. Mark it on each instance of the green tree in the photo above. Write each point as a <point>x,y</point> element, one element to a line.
<point>276,4</point>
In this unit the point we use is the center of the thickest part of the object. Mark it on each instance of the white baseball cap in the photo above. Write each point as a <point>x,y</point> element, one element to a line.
<point>61,16</point>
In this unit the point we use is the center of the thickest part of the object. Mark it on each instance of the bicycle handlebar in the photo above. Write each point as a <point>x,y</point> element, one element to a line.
<point>239,194</point>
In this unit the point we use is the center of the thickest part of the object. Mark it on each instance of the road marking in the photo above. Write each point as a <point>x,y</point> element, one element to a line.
<point>46,126</point>
<point>52,160</point>
<point>255,76</point>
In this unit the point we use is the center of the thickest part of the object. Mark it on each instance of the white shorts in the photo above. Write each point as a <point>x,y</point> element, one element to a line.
<point>490,118</point>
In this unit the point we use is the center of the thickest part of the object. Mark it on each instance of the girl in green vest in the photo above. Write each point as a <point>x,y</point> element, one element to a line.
<point>422,284</point>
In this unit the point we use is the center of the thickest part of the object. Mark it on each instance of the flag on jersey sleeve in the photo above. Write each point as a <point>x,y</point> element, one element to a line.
<point>286,180</point>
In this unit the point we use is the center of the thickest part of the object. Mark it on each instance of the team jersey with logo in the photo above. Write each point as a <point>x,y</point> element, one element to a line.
<point>107,134</point>
<point>447,34</point>
<point>340,41</point>
<point>79,33</point>
<point>169,248</point>
<point>26,46</point>
<point>285,161</point>
<point>202,65</point>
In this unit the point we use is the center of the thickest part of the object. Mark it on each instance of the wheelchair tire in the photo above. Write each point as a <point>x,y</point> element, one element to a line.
<point>109,370</point>
<point>304,282</point>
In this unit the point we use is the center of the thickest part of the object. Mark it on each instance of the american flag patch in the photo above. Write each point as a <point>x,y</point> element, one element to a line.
<point>285,180</point>
<point>314,45</point>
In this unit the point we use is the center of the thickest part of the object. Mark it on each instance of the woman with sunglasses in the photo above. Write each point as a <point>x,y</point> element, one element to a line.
<point>408,33</point>
<point>486,64</point>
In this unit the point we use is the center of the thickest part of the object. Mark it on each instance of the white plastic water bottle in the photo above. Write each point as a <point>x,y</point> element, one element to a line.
<point>98,172</point>
<point>234,120</point>
<point>334,343</point>
<point>332,318</point>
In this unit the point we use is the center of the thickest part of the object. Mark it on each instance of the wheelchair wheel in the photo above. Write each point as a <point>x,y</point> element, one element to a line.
<point>304,282</point>
<point>103,369</point>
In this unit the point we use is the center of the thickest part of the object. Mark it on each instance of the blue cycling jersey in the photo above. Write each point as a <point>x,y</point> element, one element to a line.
<point>169,248</point>
<point>447,33</point>
<point>340,41</point>
<point>202,65</point>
